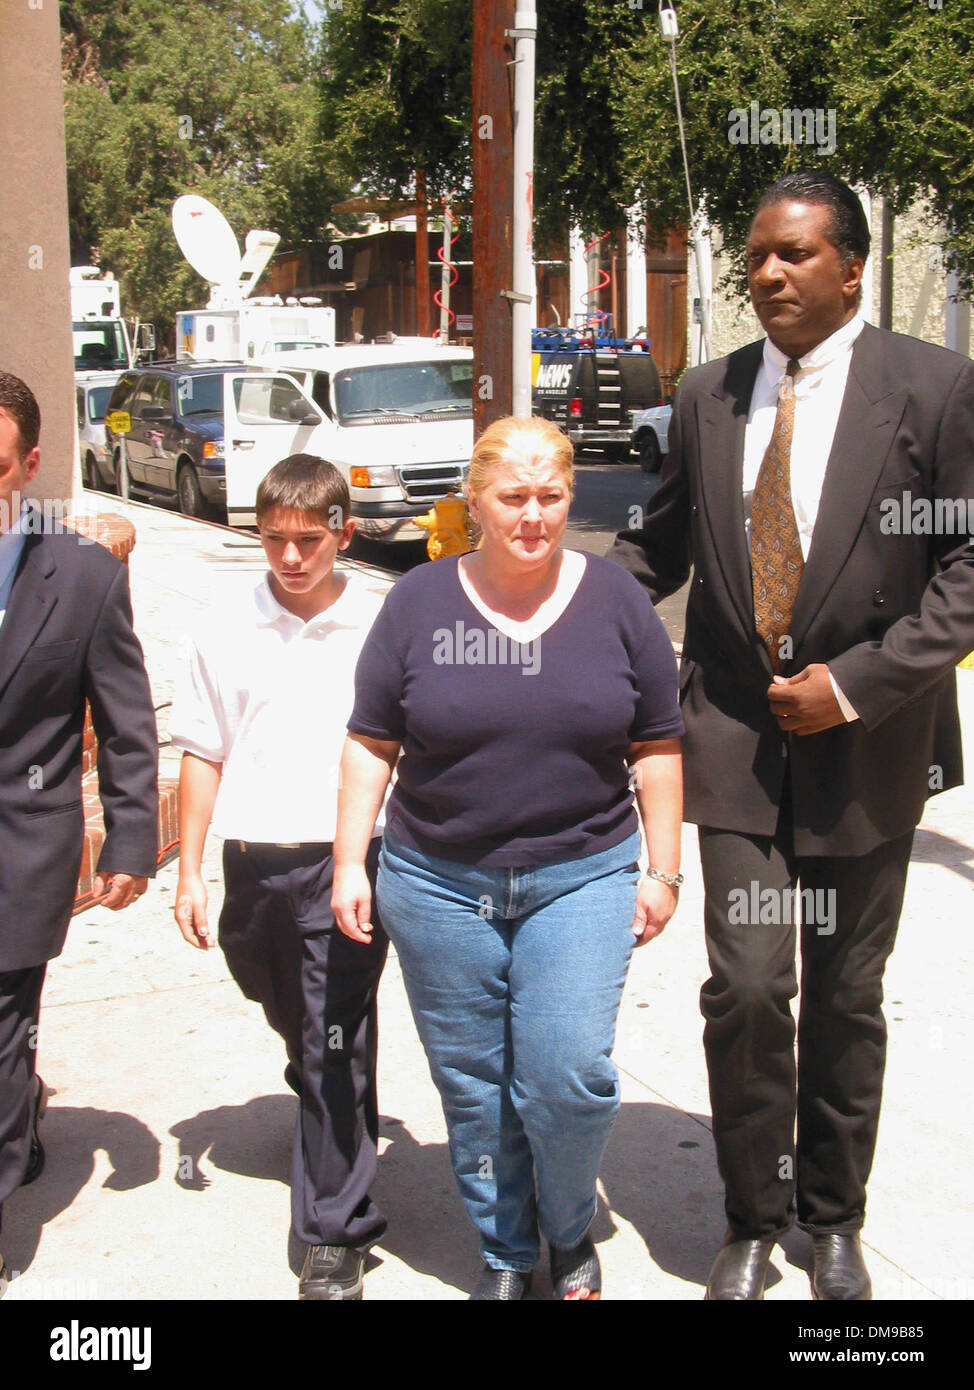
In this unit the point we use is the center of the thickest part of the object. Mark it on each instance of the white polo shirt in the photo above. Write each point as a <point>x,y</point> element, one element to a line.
<point>269,696</point>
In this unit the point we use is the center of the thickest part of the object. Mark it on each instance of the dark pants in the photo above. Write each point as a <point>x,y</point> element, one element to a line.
<point>20,1003</point>
<point>851,909</point>
<point>318,990</point>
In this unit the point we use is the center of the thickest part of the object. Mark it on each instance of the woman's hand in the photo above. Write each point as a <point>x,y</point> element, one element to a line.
<point>655,905</point>
<point>351,902</point>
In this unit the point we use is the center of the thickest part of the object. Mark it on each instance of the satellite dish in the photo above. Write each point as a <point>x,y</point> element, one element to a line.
<point>206,239</point>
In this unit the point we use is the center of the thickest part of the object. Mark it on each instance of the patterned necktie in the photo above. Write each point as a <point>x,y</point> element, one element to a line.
<point>776,552</point>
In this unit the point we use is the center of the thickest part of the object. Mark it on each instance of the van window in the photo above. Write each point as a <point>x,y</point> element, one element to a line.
<point>404,388</point>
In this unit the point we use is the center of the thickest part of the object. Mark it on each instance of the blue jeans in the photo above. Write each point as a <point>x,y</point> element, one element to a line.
<point>515,977</point>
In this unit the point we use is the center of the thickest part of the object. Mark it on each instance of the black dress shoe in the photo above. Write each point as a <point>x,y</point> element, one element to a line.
<point>498,1284</point>
<point>35,1163</point>
<point>838,1269</point>
<point>333,1273</point>
<point>740,1269</point>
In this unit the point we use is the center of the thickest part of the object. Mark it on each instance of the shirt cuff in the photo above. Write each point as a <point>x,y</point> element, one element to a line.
<point>848,712</point>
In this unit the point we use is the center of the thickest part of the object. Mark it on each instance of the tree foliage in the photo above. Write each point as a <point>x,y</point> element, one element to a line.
<point>164,97</point>
<point>395,92</point>
<point>898,75</point>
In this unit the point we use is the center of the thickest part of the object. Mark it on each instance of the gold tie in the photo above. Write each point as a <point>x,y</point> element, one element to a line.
<point>776,552</point>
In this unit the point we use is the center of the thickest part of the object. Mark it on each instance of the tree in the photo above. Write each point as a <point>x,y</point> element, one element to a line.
<point>164,97</point>
<point>395,93</point>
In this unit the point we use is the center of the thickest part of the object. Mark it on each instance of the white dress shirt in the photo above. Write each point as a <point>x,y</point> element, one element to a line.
<point>11,549</point>
<point>819,387</point>
<point>268,696</point>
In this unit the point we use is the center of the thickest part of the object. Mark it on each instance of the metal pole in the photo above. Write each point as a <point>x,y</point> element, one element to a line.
<point>492,231</point>
<point>523,316</point>
<point>445,274</point>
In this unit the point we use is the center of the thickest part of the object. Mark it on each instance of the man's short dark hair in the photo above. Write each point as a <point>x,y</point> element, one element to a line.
<point>849,230</point>
<point>305,483</point>
<point>17,399</point>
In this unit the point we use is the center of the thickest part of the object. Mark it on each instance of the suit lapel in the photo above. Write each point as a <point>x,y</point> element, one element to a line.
<point>722,420</point>
<point>31,600</point>
<point>868,420</point>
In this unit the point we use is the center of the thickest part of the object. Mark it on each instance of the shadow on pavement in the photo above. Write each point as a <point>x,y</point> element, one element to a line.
<point>71,1137</point>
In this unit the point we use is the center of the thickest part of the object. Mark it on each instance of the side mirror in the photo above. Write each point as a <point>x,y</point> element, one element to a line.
<point>154,412</point>
<point>147,337</point>
<point>298,412</point>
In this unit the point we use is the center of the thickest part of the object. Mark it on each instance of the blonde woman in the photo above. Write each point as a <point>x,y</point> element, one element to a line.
<point>528,689</point>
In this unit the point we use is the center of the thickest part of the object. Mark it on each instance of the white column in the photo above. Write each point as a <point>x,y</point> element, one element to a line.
<point>957,318</point>
<point>635,273</point>
<point>866,303</point>
<point>523,317</point>
<point>578,278</point>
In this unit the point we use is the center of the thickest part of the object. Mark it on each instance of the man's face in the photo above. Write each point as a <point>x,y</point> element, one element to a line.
<point>17,469</point>
<point>301,550</point>
<point>799,289</point>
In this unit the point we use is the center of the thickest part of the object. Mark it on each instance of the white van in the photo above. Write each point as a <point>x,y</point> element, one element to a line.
<point>396,419</point>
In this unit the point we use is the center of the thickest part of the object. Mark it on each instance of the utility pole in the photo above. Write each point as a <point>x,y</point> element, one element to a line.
<point>493,214</point>
<point>422,257</point>
<point>523,287</point>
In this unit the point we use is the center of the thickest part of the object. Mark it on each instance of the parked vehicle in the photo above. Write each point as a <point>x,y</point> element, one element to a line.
<point>164,434</point>
<point>93,392</point>
<point>591,384</point>
<point>396,420</point>
<point>650,436</point>
<point>101,336</point>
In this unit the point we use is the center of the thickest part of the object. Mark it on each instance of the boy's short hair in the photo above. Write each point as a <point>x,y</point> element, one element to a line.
<point>305,483</point>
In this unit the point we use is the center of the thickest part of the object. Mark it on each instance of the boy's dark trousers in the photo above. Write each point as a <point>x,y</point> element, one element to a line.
<point>318,990</point>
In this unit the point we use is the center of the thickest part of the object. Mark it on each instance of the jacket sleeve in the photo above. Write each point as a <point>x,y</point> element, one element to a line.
<point>117,689</point>
<point>921,648</point>
<point>658,552</point>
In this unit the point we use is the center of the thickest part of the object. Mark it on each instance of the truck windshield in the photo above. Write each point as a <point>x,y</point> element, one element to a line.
<point>99,344</point>
<point>404,388</point>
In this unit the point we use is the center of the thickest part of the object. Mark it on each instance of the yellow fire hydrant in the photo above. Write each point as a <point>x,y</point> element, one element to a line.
<point>448,523</point>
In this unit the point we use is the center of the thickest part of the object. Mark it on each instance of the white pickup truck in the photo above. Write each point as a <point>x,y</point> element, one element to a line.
<point>396,419</point>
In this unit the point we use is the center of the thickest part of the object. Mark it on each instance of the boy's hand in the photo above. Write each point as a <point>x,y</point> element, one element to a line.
<point>351,902</point>
<point>190,911</point>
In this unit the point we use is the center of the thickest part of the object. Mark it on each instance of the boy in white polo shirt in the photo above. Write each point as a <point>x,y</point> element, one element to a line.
<point>260,719</point>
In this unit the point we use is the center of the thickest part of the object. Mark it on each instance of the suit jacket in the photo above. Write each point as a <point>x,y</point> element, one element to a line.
<point>68,636</point>
<point>891,614</point>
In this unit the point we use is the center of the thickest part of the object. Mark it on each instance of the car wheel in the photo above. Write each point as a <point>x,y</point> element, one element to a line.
<point>188,492</point>
<point>89,471</point>
<point>650,455</point>
<point>123,482</point>
<point>616,453</point>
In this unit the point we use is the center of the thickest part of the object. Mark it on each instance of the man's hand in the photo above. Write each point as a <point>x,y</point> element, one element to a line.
<point>806,703</point>
<point>118,890</point>
<point>655,905</point>
<point>190,911</point>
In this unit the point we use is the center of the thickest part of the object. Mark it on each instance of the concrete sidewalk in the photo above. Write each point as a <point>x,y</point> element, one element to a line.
<point>169,1138</point>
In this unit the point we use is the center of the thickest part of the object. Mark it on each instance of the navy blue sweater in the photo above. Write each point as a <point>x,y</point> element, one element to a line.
<point>514,754</point>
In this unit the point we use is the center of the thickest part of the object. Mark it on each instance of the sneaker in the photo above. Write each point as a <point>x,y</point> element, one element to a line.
<point>332,1272</point>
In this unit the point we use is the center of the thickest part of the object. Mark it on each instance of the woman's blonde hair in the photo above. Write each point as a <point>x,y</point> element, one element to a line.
<point>514,437</point>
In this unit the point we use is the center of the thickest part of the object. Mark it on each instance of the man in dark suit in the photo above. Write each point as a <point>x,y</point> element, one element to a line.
<point>65,636</point>
<point>824,622</point>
